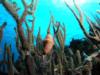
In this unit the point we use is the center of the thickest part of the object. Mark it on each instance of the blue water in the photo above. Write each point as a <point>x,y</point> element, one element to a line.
<point>59,11</point>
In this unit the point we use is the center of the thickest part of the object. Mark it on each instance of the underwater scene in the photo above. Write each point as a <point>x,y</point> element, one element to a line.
<point>49,37</point>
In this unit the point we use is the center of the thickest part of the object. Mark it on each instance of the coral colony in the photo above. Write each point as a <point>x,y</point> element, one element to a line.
<point>50,56</point>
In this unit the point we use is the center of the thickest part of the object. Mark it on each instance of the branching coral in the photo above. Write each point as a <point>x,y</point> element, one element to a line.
<point>25,43</point>
<point>1,30</point>
<point>61,61</point>
<point>96,37</point>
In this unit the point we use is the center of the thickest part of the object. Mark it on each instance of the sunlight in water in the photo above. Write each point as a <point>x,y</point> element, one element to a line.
<point>61,2</point>
<point>80,2</point>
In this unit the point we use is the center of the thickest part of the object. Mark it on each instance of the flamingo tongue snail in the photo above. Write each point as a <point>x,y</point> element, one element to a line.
<point>48,43</point>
